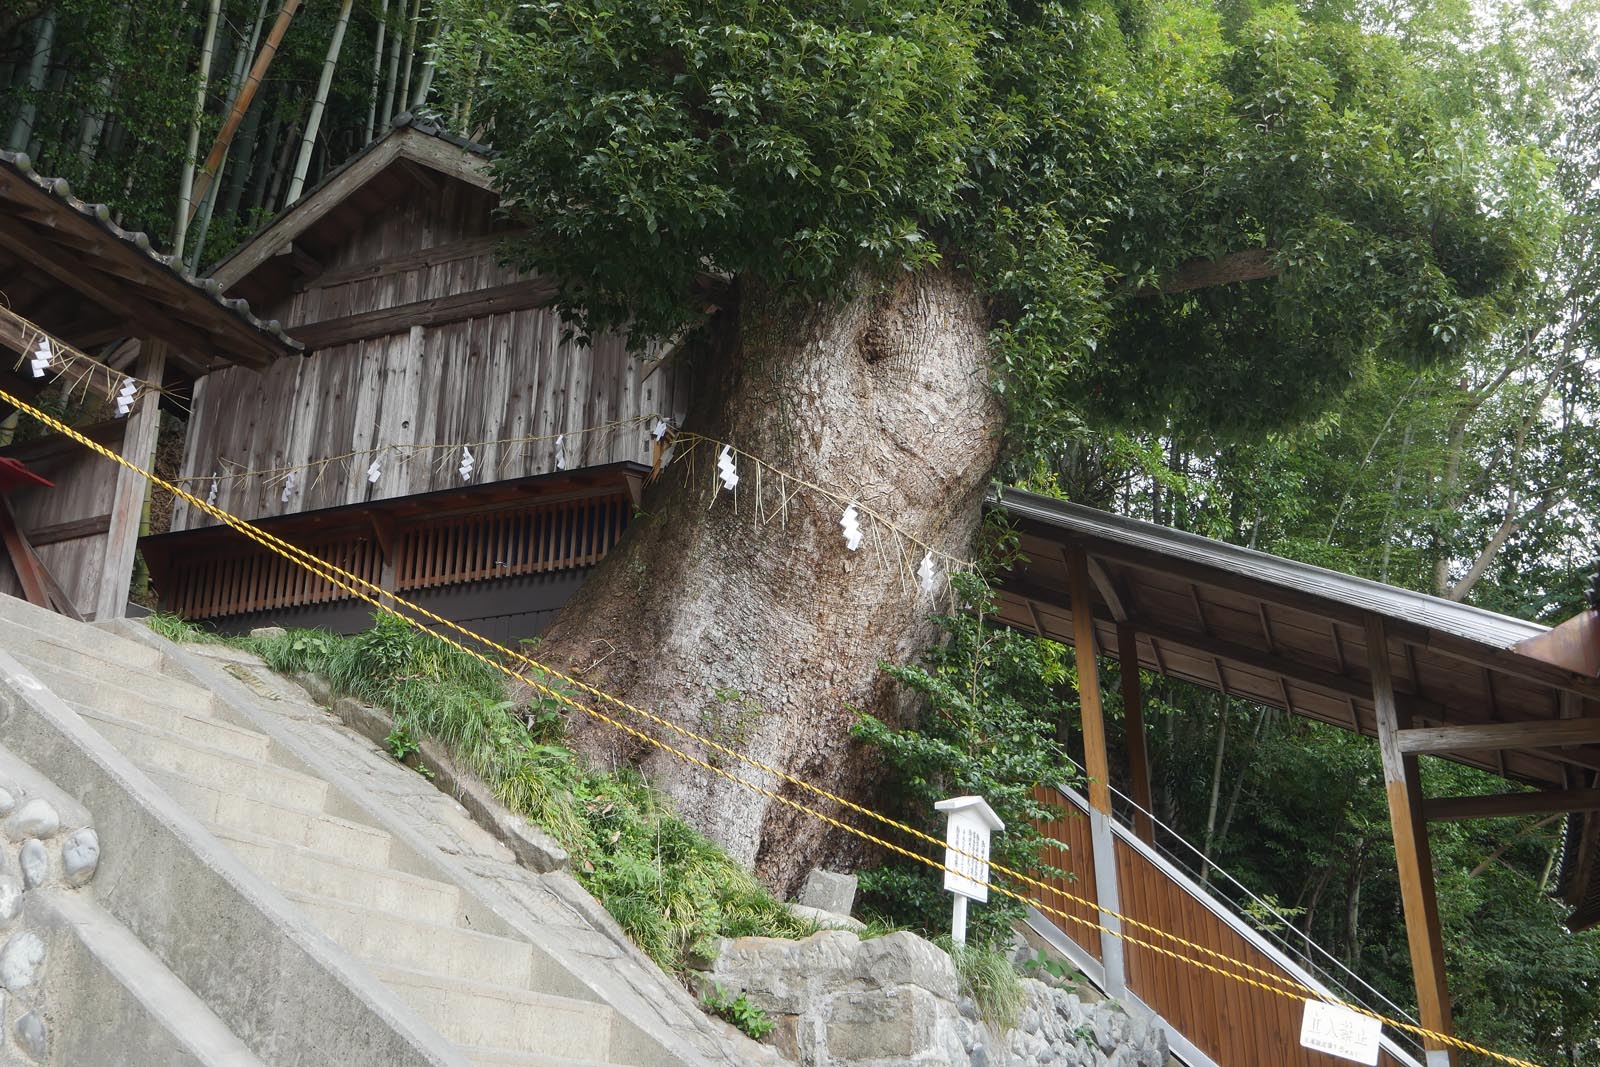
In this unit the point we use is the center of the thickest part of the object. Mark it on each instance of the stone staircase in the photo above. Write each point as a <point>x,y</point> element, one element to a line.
<point>408,918</point>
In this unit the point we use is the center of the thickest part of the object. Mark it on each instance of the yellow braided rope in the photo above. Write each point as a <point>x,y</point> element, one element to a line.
<point>1282,986</point>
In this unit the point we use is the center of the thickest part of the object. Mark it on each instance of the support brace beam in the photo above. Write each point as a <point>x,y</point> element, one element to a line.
<point>1498,805</point>
<point>1499,735</point>
<point>1413,860</point>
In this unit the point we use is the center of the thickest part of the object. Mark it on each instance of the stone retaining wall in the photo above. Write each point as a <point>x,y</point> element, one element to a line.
<point>838,1001</point>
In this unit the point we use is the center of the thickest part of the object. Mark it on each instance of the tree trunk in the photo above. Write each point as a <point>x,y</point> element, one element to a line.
<point>1216,793</point>
<point>885,398</point>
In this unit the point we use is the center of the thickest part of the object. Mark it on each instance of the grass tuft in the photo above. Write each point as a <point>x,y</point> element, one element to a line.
<point>989,979</point>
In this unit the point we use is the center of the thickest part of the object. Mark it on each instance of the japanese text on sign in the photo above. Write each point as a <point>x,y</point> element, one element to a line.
<point>1340,1032</point>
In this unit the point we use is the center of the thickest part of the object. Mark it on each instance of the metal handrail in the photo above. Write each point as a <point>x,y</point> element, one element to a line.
<point>1265,905</point>
<point>1400,1044</point>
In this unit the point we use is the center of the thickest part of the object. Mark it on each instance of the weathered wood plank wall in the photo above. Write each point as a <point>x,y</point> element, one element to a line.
<point>494,377</point>
<point>80,504</point>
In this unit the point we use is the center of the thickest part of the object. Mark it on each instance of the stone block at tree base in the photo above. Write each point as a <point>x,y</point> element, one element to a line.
<point>828,891</point>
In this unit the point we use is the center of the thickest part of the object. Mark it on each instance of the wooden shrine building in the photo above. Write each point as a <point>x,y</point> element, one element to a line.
<point>419,346</point>
<point>1421,675</point>
<point>110,308</point>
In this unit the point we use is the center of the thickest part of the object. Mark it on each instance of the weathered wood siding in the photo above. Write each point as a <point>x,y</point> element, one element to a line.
<point>67,523</point>
<point>491,378</point>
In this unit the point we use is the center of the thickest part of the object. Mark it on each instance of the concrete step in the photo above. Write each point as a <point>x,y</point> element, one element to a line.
<point>201,728</point>
<point>80,680</point>
<point>279,821</point>
<point>130,1008</point>
<point>154,749</point>
<point>477,1013</point>
<point>84,641</point>
<point>386,939</point>
<point>505,1057</point>
<point>379,887</point>
<point>22,622</point>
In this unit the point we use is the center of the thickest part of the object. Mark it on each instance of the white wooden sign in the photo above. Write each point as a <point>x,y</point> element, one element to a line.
<point>966,838</point>
<point>1340,1032</point>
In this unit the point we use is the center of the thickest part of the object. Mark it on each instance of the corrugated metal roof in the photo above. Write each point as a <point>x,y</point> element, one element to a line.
<point>1461,620</point>
<point>138,241</point>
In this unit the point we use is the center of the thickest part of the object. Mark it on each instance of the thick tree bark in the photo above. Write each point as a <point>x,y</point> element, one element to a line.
<point>768,634</point>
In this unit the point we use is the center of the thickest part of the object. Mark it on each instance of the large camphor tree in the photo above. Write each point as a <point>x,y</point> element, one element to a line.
<point>895,242</point>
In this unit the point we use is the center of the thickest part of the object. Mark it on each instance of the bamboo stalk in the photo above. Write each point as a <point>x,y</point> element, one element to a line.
<point>377,71</point>
<point>319,103</point>
<point>241,104</point>
<point>202,81</point>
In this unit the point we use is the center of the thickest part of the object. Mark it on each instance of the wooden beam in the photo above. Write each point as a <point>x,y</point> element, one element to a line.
<point>127,500</point>
<point>38,584</point>
<point>409,261</point>
<point>1413,859</point>
<point>1109,591</point>
<point>1550,733</point>
<point>1499,805</point>
<point>1133,717</point>
<point>1089,710</point>
<point>113,294</point>
<point>516,296</point>
<point>75,530</point>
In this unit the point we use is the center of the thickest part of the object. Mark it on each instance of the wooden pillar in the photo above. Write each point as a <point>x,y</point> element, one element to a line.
<point>1133,714</point>
<point>1413,860</point>
<point>1107,893</point>
<point>1093,720</point>
<point>127,501</point>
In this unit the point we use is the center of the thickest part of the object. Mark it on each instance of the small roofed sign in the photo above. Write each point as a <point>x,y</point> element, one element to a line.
<point>966,838</point>
<point>1338,1031</point>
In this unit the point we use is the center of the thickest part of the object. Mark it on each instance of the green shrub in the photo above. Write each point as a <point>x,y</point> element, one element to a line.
<point>992,699</point>
<point>670,888</point>
<point>738,1011</point>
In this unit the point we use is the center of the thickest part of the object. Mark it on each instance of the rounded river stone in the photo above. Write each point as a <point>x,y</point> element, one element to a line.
<point>80,855</point>
<point>10,898</point>
<point>20,961</point>
<point>32,1037</point>
<point>34,861</point>
<point>36,818</point>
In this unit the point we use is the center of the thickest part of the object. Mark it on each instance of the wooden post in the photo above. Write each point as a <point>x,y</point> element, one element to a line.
<point>127,501</point>
<point>1093,720</point>
<point>1133,713</point>
<point>1413,861</point>
<point>1095,763</point>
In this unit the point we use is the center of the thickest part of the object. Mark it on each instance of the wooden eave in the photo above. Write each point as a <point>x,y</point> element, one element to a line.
<point>288,248</point>
<point>1286,635</point>
<point>68,268</point>
<point>170,549</point>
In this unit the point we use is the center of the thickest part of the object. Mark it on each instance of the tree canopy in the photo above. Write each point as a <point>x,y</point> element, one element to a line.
<point>1087,163</point>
